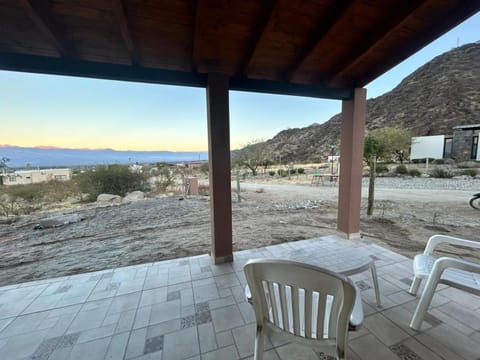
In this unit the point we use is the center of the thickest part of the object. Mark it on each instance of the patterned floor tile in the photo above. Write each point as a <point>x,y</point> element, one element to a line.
<point>203,317</point>
<point>202,306</point>
<point>153,344</point>
<point>63,289</point>
<point>404,352</point>
<point>362,285</point>
<point>174,295</point>
<point>187,321</point>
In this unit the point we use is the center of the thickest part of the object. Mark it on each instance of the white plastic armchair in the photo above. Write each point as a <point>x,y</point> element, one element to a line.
<point>300,302</point>
<point>454,272</point>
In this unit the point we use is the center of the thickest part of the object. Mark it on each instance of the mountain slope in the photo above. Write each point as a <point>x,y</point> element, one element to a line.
<point>441,94</point>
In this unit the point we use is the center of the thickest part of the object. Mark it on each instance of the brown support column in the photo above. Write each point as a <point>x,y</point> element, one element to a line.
<point>219,164</point>
<point>351,164</point>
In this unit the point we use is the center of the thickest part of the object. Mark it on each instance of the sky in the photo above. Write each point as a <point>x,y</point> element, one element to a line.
<point>69,112</point>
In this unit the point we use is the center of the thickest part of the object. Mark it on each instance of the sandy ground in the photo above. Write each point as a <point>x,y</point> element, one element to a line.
<point>175,226</point>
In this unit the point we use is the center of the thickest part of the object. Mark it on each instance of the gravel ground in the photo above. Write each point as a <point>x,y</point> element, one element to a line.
<point>460,183</point>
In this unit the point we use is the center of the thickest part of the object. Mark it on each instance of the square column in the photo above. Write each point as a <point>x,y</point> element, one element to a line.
<point>219,167</point>
<point>351,164</point>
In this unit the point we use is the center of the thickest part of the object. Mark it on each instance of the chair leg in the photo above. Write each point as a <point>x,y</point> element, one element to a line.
<point>415,285</point>
<point>375,284</point>
<point>424,302</point>
<point>259,343</point>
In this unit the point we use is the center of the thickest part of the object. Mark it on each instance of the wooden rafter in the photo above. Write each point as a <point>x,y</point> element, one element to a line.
<point>195,57</point>
<point>337,10</point>
<point>258,33</point>
<point>455,17</point>
<point>397,17</point>
<point>126,30</point>
<point>40,13</point>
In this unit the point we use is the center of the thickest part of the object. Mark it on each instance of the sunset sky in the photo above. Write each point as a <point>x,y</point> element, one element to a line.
<point>44,110</point>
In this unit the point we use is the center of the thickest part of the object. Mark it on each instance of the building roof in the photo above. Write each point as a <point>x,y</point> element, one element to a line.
<point>321,48</point>
<point>466,127</point>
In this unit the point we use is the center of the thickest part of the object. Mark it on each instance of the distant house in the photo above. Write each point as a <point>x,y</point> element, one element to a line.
<point>461,146</point>
<point>24,177</point>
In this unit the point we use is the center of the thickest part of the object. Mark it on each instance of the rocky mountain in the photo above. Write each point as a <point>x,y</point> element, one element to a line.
<point>441,94</point>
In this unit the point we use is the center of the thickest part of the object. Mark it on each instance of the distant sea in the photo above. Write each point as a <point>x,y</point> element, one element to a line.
<point>21,157</point>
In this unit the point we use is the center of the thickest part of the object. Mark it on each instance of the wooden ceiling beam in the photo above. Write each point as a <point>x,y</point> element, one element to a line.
<point>259,31</point>
<point>40,13</point>
<point>97,70</point>
<point>195,51</point>
<point>338,9</point>
<point>396,19</point>
<point>460,11</point>
<point>126,30</point>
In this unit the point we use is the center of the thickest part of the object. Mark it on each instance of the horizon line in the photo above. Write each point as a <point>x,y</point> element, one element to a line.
<point>53,147</point>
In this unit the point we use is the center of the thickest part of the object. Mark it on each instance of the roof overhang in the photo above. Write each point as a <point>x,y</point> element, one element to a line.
<point>322,48</point>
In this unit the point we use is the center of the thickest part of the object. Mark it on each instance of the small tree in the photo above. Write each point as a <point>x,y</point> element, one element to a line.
<point>3,168</point>
<point>383,144</point>
<point>252,156</point>
<point>373,149</point>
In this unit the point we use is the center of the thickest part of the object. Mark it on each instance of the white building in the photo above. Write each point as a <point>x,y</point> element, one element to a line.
<point>24,177</point>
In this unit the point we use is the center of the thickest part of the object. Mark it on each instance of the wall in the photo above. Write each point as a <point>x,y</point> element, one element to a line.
<point>427,147</point>
<point>25,177</point>
<point>462,144</point>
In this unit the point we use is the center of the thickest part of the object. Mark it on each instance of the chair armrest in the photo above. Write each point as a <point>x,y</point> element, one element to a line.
<point>448,262</point>
<point>439,239</point>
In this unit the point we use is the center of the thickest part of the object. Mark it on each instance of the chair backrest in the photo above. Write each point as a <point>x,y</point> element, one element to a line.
<point>302,300</point>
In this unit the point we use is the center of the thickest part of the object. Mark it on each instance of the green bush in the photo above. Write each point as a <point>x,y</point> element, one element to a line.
<point>414,172</point>
<point>401,170</point>
<point>30,193</point>
<point>271,173</point>
<point>300,171</point>
<point>440,173</point>
<point>439,161</point>
<point>282,172</point>
<point>381,168</point>
<point>111,179</point>
<point>470,172</point>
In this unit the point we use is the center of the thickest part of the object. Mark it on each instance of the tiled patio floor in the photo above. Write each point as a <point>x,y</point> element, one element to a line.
<point>189,309</point>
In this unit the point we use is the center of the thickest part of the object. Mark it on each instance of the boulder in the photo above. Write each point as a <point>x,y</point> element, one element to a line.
<point>109,198</point>
<point>7,220</point>
<point>134,196</point>
<point>59,220</point>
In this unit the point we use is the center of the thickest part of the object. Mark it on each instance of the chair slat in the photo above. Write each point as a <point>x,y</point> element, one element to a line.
<point>283,300</point>
<point>273,302</point>
<point>321,315</point>
<point>332,325</point>
<point>301,311</point>
<point>268,300</point>
<point>308,313</point>
<point>315,300</point>
<point>296,313</point>
<point>278,304</point>
<point>289,298</point>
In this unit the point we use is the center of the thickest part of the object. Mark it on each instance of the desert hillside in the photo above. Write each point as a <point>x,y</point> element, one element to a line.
<point>441,94</point>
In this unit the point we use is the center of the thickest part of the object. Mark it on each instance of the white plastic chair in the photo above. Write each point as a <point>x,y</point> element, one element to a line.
<point>455,272</point>
<point>301,302</point>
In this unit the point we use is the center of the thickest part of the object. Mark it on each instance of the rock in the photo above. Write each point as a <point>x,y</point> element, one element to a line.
<point>134,196</point>
<point>60,220</point>
<point>7,220</point>
<point>109,198</point>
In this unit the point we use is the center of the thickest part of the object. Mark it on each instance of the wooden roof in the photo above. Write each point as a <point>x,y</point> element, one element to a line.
<point>320,48</point>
